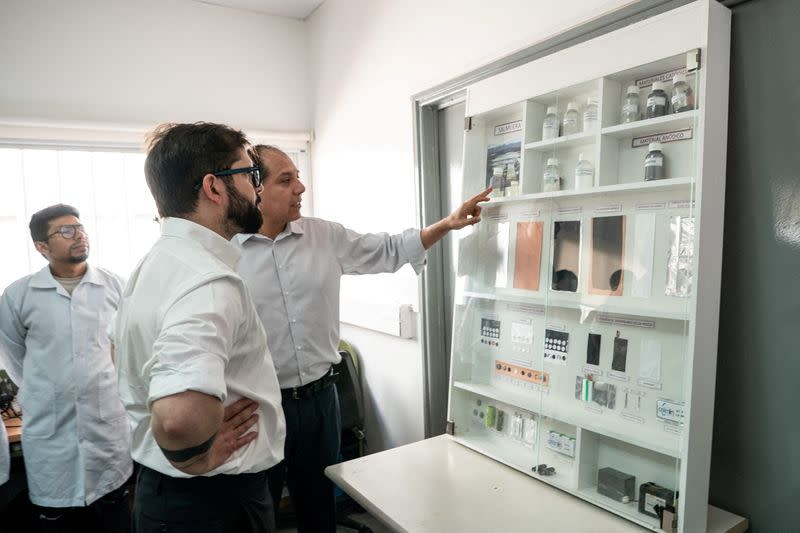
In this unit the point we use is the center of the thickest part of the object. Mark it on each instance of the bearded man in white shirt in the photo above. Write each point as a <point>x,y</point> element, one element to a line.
<point>293,267</point>
<point>53,343</point>
<point>195,374</point>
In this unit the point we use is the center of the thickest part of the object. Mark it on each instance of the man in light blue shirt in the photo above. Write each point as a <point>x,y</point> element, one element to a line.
<point>53,343</point>
<point>293,268</point>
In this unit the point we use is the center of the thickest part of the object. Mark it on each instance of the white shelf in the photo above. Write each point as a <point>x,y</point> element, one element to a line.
<point>612,424</point>
<point>565,141</point>
<point>631,510</point>
<point>582,303</point>
<point>637,187</point>
<point>651,126</point>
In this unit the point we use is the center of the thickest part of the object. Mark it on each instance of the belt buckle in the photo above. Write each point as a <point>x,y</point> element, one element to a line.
<point>295,395</point>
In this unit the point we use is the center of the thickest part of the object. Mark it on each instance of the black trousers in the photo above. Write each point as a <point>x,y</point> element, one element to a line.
<point>108,514</point>
<point>313,437</point>
<point>217,504</point>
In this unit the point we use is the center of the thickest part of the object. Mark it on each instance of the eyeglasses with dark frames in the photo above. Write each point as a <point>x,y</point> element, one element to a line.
<point>68,231</point>
<point>255,176</point>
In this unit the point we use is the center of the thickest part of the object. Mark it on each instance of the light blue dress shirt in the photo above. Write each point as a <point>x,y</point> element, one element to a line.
<point>75,436</point>
<point>295,279</point>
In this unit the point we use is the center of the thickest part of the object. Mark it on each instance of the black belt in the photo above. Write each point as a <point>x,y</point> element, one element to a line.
<point>309,389</point>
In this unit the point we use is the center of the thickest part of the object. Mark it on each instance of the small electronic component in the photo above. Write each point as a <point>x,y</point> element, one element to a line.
<point>501,418</point>
<point>593,349</point>
<point>556,346</point>
<point>490,416</point>
<point>563,444</point>
<point>602,393</point>
<point>490,331</point>
<point>520,372</point>
<point>616,485</point>
<point>652,495</point>
<point>620,358</point>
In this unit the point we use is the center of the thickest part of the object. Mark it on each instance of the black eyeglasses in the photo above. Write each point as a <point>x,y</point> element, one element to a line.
<point>255,176</point>
<point>68,231</point>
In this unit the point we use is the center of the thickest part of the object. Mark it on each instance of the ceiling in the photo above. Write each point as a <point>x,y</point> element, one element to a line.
<point>296,9</point>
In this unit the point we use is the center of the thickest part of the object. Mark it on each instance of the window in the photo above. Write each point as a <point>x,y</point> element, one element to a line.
<point>107,187</point>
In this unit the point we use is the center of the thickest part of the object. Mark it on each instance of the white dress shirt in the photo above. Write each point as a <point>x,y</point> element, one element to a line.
<point>295,282</point>
<point>186,322</point>
<point>75,436</point>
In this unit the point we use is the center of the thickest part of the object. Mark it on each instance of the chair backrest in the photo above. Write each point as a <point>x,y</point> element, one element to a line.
<point>348,386</point>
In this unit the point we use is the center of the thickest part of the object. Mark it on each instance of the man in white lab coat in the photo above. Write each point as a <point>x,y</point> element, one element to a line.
<point>53,344</point>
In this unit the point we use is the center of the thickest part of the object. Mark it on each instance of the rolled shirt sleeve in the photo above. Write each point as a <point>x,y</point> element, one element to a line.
<point>193,347</point>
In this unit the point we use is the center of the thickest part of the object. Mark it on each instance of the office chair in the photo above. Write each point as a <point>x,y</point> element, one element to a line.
<point>351,407</point>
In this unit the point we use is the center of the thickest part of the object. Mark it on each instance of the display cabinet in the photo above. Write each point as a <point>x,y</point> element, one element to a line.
<point>587,299</point>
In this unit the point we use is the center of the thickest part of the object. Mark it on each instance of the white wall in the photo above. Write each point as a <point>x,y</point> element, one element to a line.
<point>367,59</point>
<point>149,61</point>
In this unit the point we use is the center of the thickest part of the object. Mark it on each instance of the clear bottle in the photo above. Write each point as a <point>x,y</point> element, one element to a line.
<point>630,108</point>
<point>591,114</point>
<point>656,101</point>
<point>654,163</point>
<point>682,96</point>
<point>550,124</point>
<point>584,173</point>
<point>552,176</point>
<point>570,123</point>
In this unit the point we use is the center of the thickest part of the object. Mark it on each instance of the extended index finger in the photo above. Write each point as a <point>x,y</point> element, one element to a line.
<point>481,196</point>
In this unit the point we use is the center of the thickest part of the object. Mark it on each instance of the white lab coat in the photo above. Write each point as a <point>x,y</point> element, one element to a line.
<point>75,434</point>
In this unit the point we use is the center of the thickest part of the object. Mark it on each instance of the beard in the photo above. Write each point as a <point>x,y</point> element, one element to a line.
<point>77,259</point>
<point>243,216</point>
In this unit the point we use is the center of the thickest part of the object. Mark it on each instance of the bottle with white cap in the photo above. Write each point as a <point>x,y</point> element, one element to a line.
<point>552,176</point>
<point>656,101</point>
<point>630,108</point>
<point>584,173</point>
<point>591,114</point>
<point>682,96</point>
<point>570,123</point>
<point>654,163</point>
<point>550,124</point>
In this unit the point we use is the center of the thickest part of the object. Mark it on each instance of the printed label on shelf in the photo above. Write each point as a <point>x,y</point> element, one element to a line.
<point>608,209</point>
<point>666,137</point>
<point>526,308</point>
<point>675,430</point>
<point>681,204</point>
<point>649,384</point>
<point>620,376</point>
<point>632,418</point>
<point>592,370</point>
<point>497,217</point>
<point>508,127</point>
<point>651,206</point>
<point>604,318</point>
<point>559,327</point>
<point>569,210</point>
<point>593,408</point>
<point>534,213</point>
<point>664,76</point>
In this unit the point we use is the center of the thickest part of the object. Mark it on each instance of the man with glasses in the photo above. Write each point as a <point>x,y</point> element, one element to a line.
<point>195,374</point>
<point>293,267</point>
<point>53,343</point>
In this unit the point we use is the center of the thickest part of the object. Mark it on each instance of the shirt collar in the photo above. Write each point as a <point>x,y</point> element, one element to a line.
<point>44,278</point>
<point>291,228</point>
<point>208,239</point>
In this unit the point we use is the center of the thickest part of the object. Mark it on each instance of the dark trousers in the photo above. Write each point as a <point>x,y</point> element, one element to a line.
<point>313,434</point>
<point>109,514</point>
<point>217,504</point>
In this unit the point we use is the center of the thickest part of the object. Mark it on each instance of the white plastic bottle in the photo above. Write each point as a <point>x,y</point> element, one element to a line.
<point>682,97</point>
<point>550,124</point>
<point>570,122</point>
<point>591,114</point>
<point>630,108</point>
<point>584,173</point>
<point>552,176</point>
